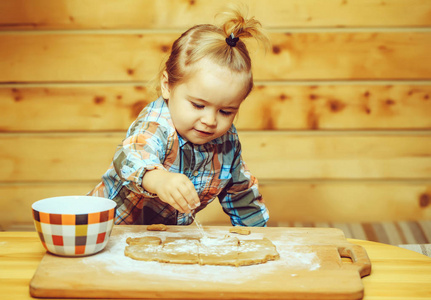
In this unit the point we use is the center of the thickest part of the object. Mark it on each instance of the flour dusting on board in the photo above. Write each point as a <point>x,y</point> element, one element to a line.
<point>116,262</point>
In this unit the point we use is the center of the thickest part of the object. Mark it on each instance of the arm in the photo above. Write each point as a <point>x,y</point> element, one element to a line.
<point>139,164</point>
<point>140,152</point>
<point>241,199</point>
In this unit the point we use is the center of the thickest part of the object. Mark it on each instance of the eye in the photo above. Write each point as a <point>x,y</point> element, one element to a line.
<point>197,106</point>
<point>226,113</point>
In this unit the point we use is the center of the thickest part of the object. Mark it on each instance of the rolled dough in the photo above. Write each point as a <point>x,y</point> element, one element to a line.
<point>225,251</point>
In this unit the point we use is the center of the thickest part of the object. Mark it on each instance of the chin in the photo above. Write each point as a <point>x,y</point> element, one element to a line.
<point>199,141</point>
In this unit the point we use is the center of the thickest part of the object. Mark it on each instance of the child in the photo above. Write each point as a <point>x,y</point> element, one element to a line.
<point>183,150</point>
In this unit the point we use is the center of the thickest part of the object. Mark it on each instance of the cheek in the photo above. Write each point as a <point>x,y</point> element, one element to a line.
<point>226,123</point>
<point>186,117</point>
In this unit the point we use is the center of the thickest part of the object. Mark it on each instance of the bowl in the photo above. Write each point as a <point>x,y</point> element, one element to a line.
<point>74,225</point>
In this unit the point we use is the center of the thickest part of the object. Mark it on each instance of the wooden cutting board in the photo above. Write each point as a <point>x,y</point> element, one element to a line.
<point>310,267</point>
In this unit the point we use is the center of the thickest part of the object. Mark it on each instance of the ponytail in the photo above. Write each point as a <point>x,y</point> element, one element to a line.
<point>235,21</point>
<point>223,45</point>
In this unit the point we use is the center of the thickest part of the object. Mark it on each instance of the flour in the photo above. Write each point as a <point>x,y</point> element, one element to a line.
<point>181,246</point>
<point>217,241</point>
<point>115,262</point>
<point>297,259</point>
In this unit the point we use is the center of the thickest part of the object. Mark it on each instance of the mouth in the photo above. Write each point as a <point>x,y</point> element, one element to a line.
<point>203,133</point>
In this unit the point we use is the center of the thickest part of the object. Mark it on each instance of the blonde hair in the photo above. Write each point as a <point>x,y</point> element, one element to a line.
<point>209,41</point>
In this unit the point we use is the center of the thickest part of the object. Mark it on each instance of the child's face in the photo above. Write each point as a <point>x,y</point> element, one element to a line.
<point>204,106</point>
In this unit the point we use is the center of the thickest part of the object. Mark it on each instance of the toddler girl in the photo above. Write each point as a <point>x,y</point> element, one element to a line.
<point>183,151</point>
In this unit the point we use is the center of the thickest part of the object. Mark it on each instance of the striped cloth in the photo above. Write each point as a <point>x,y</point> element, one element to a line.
<point>422,249</point>
<point>411,235</point>
<point>392,233</point>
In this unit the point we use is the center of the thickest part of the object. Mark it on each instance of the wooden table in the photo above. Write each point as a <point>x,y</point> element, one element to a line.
<point>396,273</point>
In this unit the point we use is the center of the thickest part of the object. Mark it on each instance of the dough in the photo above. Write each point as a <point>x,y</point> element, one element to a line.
<point>218,251</point>
<point>256,252</point>
<point>225,251</point>
<point>157,227</point>
<point>143,248</point>
<point>240,230</point>
<point>179,251</point>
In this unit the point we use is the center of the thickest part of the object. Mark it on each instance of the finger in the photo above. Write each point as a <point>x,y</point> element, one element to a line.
<point>169,199</point>
<point>189,192</point>
<point>190,195</point>
<point>175,205</point>
<point>194,195</point>
<point>180,201</point>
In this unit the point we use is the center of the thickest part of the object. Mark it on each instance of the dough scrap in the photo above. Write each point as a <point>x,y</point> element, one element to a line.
<point>144,240</point>
<point>240,230</point>
<point>157,227</point>
<point>226,251</point>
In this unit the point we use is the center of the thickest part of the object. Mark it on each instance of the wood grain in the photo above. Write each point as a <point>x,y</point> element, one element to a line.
<point>60,157</point>
<point>271,156</point>
<point>287,201</point>
<point>342,100</point>
<point>396,273</point>
<point>69,14</point>
<point>71,108</point>
<point>17,198</point>
<point>81,57</point>
<point>269,107</point>
<point>350,201</point>
<point>283,279</point>
<point>344,106</point>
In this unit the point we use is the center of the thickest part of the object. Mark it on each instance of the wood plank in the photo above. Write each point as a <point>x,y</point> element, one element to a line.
<point>287,201</point>
<point>286,107</point>
<point>56,157</point>
<point>345,155</point>
<point>317,250</point>
<point>269,107</point>
<point>136,57</point>
<point>346,55</point>
<point>71,108</point>
<point>15,207</point>
<point>269,155</point>
<point>82,57</point>
<point>69,14</point>
<point>347,201</point>
<point>350,201</point>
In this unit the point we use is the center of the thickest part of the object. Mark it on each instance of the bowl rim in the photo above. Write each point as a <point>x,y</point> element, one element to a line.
<point>111,204</point>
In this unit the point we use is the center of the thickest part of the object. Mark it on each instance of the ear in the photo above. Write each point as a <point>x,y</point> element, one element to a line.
<point>164,86</point>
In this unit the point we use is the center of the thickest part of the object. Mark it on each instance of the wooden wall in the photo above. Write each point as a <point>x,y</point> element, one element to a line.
<point>337,129</point>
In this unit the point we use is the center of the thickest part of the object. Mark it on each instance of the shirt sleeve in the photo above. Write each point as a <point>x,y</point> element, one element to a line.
<point>241,199</point>
<point>143,150</point>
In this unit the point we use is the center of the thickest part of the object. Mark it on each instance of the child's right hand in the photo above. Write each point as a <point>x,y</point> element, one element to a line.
<point>173,188</point>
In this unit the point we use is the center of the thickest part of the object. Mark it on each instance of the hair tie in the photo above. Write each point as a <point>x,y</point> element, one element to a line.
<point>232,40</point>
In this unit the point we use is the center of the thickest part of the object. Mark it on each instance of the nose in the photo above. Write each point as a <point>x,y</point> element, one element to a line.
<point>209,118</point>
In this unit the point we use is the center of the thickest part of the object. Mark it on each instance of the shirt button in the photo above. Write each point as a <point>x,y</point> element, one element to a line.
<point>196,173</point>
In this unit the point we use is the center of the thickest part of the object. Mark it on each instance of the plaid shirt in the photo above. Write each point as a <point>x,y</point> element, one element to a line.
<point>215,168</point>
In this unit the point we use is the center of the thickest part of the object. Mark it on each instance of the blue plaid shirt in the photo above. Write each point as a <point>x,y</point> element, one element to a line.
<point>215,168</point>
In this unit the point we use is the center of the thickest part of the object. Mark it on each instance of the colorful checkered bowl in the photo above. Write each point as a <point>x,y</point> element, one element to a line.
<point>74,225</point>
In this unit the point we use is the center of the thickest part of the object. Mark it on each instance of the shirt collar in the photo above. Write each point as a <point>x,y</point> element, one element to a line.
<point>182,141</point>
